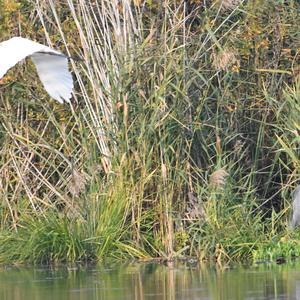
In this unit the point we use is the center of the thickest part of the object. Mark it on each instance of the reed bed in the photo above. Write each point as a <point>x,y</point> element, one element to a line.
<point>182,138</point>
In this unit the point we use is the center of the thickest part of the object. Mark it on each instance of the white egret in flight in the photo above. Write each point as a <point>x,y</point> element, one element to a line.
<point>51,65</point>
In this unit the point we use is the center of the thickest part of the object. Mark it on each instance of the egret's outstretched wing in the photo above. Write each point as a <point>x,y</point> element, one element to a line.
<point>52,66</point>
<point>54,74</point>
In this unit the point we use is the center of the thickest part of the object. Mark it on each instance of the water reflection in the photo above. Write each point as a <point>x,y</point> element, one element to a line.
<point>151,281</point>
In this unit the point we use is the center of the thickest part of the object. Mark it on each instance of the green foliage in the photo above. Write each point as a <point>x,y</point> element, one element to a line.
<point>277,248</point>
<point>44,240</point>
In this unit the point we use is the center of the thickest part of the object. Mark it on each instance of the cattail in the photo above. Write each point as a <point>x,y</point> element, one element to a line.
<point>217,178</point>
<point>229,4</point>
<point>77,183</point>
<point>195,209</point>
<point>238,146</point>
<point>225,59</point>
<point>164,172</point>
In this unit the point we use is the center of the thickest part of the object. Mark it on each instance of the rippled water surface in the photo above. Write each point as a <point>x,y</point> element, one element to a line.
<point>151,281</point>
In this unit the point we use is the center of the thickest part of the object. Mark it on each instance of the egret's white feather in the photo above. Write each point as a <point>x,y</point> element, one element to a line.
<point>54,74</point>
<point>51,65</point>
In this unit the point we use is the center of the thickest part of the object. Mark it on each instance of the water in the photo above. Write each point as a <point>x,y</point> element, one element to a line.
<point>151,281</point>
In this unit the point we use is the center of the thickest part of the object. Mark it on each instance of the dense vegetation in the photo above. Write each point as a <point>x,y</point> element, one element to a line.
<point>182,138</point>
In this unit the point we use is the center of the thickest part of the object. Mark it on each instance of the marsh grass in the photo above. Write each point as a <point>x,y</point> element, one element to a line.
<point>173,146</point>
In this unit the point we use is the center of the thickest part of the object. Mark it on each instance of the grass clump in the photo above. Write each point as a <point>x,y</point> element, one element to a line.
<point>45,240</point>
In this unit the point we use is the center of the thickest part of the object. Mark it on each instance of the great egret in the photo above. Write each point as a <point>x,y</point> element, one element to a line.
<point>51,65</point>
